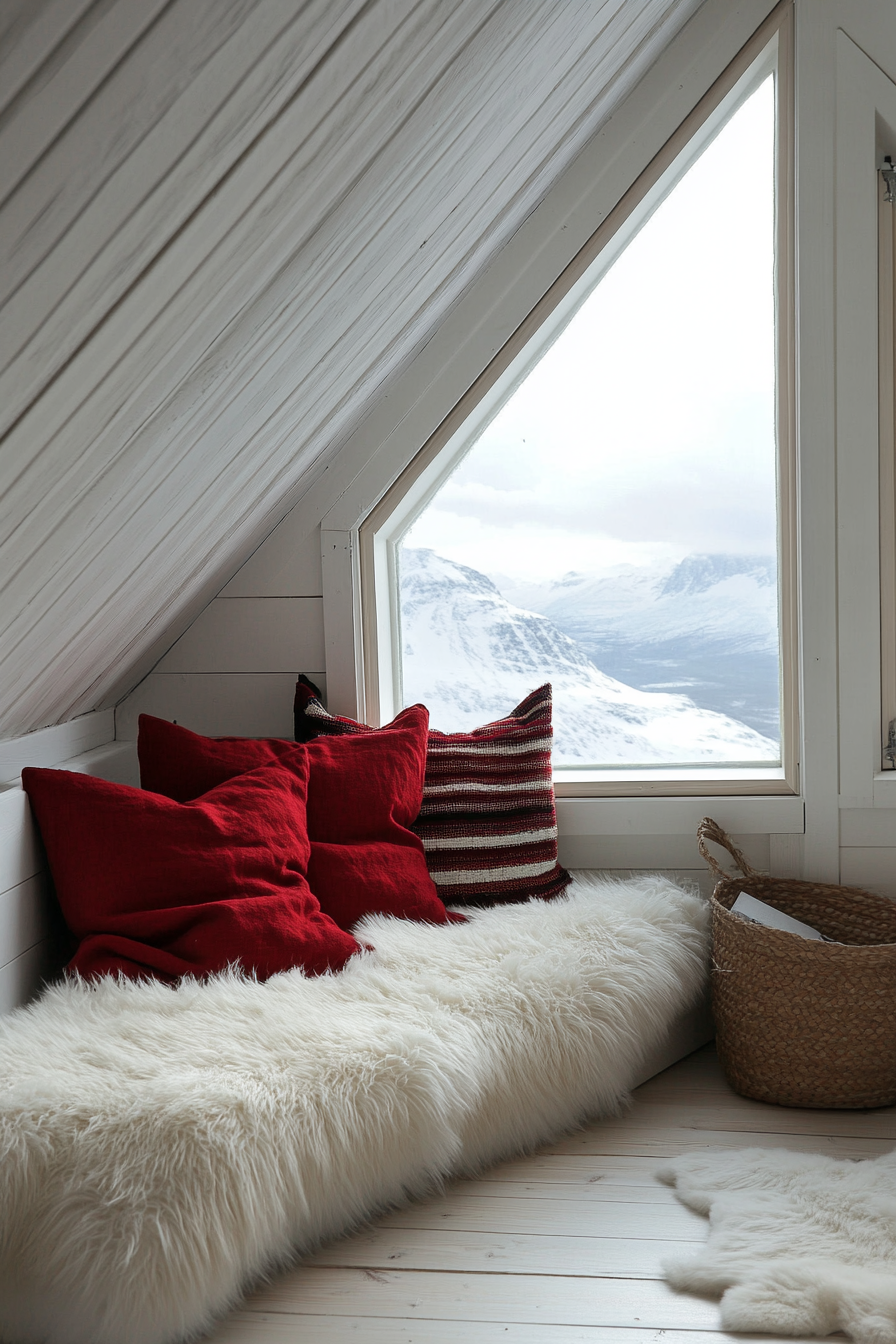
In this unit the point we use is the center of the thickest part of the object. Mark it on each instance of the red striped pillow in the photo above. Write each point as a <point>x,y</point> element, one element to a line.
<point>488,822</point>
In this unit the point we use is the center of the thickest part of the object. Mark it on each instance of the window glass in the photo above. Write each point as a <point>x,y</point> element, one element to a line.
<point>614,528</point>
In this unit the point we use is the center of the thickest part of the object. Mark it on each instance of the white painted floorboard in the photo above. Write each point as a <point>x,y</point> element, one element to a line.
<point>563,1247</point>
<point>273,1329</point>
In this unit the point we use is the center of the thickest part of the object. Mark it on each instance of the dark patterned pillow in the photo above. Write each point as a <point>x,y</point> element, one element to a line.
<point>488,821</point>
<point>312,720</point>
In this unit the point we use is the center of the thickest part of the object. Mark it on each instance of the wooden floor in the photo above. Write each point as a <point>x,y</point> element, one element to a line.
<point>561,1248</point>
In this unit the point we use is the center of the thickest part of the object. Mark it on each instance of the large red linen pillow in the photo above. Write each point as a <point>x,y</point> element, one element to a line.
<point>488,820</point>
<point>152,887</point>
<point>362,800</point>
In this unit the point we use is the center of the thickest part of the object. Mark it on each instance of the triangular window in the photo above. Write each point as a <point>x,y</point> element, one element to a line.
<point>611,521</point>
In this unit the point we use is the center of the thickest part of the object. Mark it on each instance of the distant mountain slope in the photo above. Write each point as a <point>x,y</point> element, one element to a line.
<point>470,654</point>
<point>707,627</point>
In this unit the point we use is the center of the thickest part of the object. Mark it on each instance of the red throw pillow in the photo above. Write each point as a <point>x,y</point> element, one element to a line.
<point>152,887</point>
<point>363,797</point>
<point>488,820</point>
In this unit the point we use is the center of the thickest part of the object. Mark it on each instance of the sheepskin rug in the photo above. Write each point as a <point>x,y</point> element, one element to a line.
<point>799,1244</point>
<point>161,1149</point>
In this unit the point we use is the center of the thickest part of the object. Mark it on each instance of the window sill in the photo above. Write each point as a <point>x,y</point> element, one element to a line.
<point>676,782</point>
<point>744,815</point>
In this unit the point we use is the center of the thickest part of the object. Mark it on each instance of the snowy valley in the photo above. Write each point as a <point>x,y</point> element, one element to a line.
<point>619,649</point>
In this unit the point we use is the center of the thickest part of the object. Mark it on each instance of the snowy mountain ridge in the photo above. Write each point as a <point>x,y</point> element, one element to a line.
<point>707,626</point>
<point>470,655</point>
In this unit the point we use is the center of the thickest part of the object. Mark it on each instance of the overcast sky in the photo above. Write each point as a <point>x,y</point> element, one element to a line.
<point>646,432</point>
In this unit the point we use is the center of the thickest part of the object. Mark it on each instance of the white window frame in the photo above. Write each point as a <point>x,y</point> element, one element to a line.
<point>844,103</point>
<point>887,354</point>
<point>887,429</point>
<point>866,519</point>
<point>769,50</point>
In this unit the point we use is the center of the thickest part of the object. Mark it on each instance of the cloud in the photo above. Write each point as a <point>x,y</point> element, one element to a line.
<point>648,427</point>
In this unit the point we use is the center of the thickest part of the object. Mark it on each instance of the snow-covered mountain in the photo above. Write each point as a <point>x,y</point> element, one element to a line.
<point>707,627</point>
<point>470,655</point>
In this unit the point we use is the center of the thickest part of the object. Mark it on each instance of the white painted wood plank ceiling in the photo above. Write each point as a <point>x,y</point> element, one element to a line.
<point>224,226</point>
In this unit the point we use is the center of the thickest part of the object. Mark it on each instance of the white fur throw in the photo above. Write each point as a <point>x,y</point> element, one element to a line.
<point>161,1148</point>
<point>799,1244</point>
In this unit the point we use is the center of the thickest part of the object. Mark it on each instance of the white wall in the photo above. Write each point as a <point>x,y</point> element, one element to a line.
<point>226,675</point>
<point>225,225</point>
<point>28,950</point>
<point>234,669</point>
<point>851,816</point>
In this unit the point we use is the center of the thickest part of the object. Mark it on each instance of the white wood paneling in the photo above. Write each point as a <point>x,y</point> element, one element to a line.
<point>165,130</point>
<point>678,816</point>
<point>116,761</point>
<point>30,30</point>
<point>287,564</point>
<point>20,852</point>
<point>268,620</point>
<point>27,943</point>
<point>561,1300</point>
<point>837,505</point>
<point>23,917</point>
<point>251,634</point>
<point>678,852</point>
<point>49,746</point>
<point>21,978</point>
<point>77,72</point>
<point>218,704</point>
<point>21,856</point>
<point>257,1328</point>
<point>870,867</point>
<point>581,856</point>
<point>785,856</point>
<point>342,623</point>
<point>816,417</point>
<point>514,1186</point>
<point>383,444</point>
<point>410,1279</point>
<point>236,226</point>
<point>662,1141</point>
<point>487,1252</point>
<point>299,198</point>
<point>473,1213</point>
<point>868,826</point>
<point>866,101</point>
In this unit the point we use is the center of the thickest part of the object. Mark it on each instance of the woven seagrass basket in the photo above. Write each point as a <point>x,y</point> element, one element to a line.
<point>800,1022</point>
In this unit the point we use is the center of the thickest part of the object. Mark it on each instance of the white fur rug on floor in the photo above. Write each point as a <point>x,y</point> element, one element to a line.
<point>162,1148</point>
<point>799,1244</point>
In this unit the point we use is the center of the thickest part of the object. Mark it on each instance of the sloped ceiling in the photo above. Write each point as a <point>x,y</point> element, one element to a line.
<point>225,225</point>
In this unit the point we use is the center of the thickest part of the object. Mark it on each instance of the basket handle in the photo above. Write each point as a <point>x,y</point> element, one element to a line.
<point>711,830</point>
